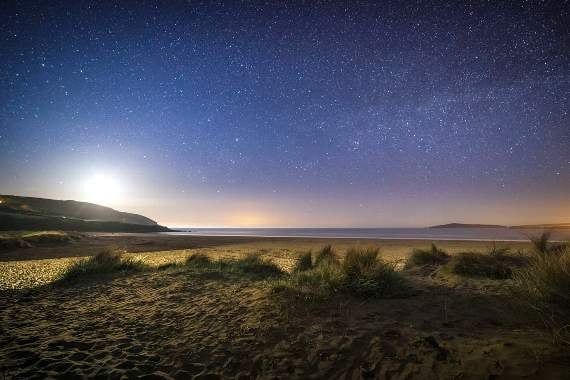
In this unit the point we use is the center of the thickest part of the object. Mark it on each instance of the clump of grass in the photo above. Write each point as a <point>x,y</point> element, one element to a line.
<point>544,287</point>
<point>432,256</point>
<point>361,273</point>
<point>304,262</point>
<point>367,275</point>
<point>382,281</point>
<point>104,263</point>
<point>256,265</point>
<point>360,261</point>
<point>496,264</point>
<point>543,246</point>
<point>496,252</point>
<point>318,282</point>
<point>251,264</point>
<point>541,243</point>
<point>547,278</point>
<point>326,255</point>
<point>199,260</point>
<point>477,264</point>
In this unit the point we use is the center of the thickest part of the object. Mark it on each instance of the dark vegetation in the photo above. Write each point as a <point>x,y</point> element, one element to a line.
<point>304,262</point>
<point>497,263</point>
<point>361,273</point>
<point>326,256</point>
<point>105,263</point>
<point>431,256</point>
<point>251,264</point>
<point>544,285</point>
<point>477,264</point>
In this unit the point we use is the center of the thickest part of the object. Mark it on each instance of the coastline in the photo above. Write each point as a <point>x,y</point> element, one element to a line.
<point>489,240</point>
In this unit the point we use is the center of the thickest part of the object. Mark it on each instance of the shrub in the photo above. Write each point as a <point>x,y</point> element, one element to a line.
<point>326,256</point>
<point>304,262</point>
<point>104,263</point>
<point>430,256</point>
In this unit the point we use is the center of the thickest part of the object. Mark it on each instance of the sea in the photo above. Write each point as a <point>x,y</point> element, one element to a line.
<point>475,234</point>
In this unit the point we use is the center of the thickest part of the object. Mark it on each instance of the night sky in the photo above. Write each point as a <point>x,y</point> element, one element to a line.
<point>309,114</point>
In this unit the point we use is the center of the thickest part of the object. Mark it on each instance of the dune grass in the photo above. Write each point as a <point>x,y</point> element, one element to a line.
<point>361,273</point>
<point>496,264</point>
<point>199,260</point>
<point>367,275</point>
<point>544,286</point>
<point>360,261</point>
<point>252,264</point>
<point>432,256</point>
<point>543,246</point>
<point>104,263</point>
<point>304,262</point>
<point>326,255</point>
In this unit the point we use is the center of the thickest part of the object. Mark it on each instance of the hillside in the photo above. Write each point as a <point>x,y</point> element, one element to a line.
<point>27,213</point>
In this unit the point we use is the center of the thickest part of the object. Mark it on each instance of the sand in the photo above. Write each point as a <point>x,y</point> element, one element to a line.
<point>35,266</point>
<point>180,324</point>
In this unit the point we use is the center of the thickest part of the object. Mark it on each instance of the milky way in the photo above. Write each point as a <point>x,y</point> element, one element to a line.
<point>305,114</point>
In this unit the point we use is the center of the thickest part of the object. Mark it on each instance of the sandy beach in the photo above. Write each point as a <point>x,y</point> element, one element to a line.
<point>176,323</point>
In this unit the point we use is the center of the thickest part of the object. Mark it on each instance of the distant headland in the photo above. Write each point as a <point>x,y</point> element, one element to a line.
<point>554,226</point>
<point>35,214</point>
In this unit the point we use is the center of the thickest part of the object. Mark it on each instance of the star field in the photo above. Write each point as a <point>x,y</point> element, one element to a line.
<point>292,114</point>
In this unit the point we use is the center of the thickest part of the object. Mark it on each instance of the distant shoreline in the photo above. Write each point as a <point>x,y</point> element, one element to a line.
<point>554,226</point>
<point>347,237</point>
<point>427,234</point>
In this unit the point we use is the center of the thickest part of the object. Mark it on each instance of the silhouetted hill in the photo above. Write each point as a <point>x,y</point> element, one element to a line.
<point>553,226</point>
<point>464,225</point>
<point>27,213</point>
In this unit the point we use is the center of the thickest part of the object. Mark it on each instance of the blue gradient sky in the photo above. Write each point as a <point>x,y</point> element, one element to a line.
<point>306,114</point>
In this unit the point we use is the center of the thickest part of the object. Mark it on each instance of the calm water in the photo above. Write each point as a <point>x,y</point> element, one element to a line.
<point>499,234</point>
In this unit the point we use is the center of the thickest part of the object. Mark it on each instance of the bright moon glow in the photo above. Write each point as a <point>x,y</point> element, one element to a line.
<point>102,189</point>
